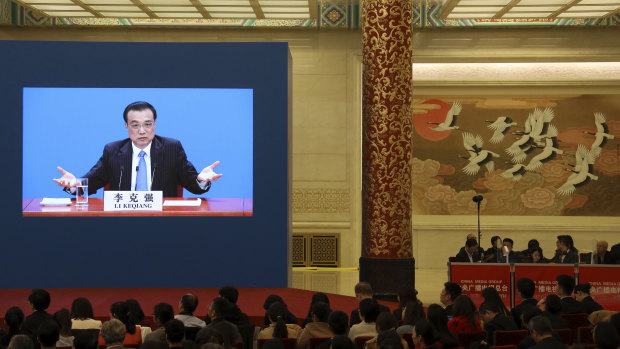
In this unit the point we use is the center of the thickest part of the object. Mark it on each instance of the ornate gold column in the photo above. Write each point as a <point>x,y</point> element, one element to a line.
<point>387,126</point>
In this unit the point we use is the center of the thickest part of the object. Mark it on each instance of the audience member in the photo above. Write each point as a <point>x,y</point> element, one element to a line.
<point>368,311</point>
<point>39,301</point>
<point>63,319</point>
<point>21,341</point>
<point>342,342</point>
<point>209,335</point>
<point>82,315</point>
<point>566,252</point>
<point>494,252</point>
<point>422,335</point>
<point>187,304</point>
<point>363,290</point>
<point>235,315</point>
<point>48,334</point>
<point>606,336</point>
<point>162,313</point>
<point>385,322</point>
<point>85,341</point>
<point>135,311</point>
<point>113,333</point>
<point>412,312</point>
<point>389,340</point>
<point>448,294</point>
<point>175,333</point>
<point>602,256</point>
<point>582,294</point>
<point>318,328</point>
<point>133,335</point>
<point>495,320</point>
<point>465,317</point>
<point>542,333</point>
<point>290,318</point>
<point>404,294</point>
<point>525,289</point>
<point>511,255</point>
<point>525,256</point>
<point>338,322</point>
<point>491,295</point>
<point>469,254</point>
<point>570,305</point>
<point>278,327</point>
<point>552,308</point>
<point>218,309</point>
<point>13,319</point>
<point>615,250</point>
<point>317,297</point>
<point>438,318</point>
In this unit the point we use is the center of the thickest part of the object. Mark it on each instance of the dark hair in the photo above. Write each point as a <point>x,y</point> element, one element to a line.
<point>338,321</point>
<point>48,333</point>
<point>163,312</point>
<point>488,306</point>
<point>272,298</point>
<point>63,319</point>
<point>40,299</point>
<point>230,293</point>
<point>81,309</point>
<point>317,297</point>
<point>512,243</point>
<point>175,331</point>
<point>606,336</point>
<point>567,240</point>
<point>453,289</point>
<point>85,341</point>
<point>615,320</point>
<point>189,303</point>
<point>531,312</point>
<point>13,318</point>
<point>386,321</point>
<point>414,311</point>
<point>424,329</point>
<point>526,287</point>
<point>471,242</point>
<point>154,345</point>
<point>21,341</point>
<point>342,342</point>
<point>277,314</point>
<point>585,288</point>
<point>120,310</point>
<point>566,283</point>
<point>272,344</point>
<point>139,106</point>
<point>406,293</point>
<point>438,318</point>
<point>491,295</point>
<point>321,311</point>
<point>463,306</point>
<point>389,340</point>
<point>540,324</point>
<point>135,310</point>
<point>369,309</point>
<point>364,288</point>
<point>209,334</point>
<point>540,251</point>
<point>532,243</point>
<point>493,239</point>
<point>221,307</point>
<point>553,304</point>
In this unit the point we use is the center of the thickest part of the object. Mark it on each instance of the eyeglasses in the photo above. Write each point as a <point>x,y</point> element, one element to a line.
<point>147,126</point>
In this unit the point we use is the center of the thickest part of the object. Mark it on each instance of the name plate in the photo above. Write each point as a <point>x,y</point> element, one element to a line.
<point>132,200</point>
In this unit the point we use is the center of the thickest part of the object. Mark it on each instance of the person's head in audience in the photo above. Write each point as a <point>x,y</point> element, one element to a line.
<point>39,299</point>
<point>537,255</point>
<point>450,291</point>
<point>342,342</point>
<point>338,322</point>
<point>21,341</point>
<point>188,304</point>
<point>491,295</point>
<point>406,294</point>
<point>540,328</point>
<point>150,344</point>
<point>13,319</point>
<point>320,312</point>
<point>317,297</point>
<point>219,308</point>
<point>582,291</point>
<point>113,332</point>
<point>508,243</point>
<point>162,313</point>
<point>601,247</point>
<point>463,306</point>
<point>277,315</point>
<point>230,293</point>
<point>120,311</point>
<point>422,334</point>
<point>412,312</point>
<point>85,341</point>
<point>385,322</point>
<point>551,304</point>
<point>363,290</point>
<point>369,310</point>
<point>135,310</point>
<point>63,319</point>
<point>437,317</point>
<point>209,335</point>
<point>175,333</point>
<point>271,299</point>
<point>606,336</point>
<point>389,340</point>
<point>528,315</point>
<point>488,311</point>
<point>48,334</point>
<point>269,344</point>
<point>471,246</point>
<point>566,284</point>
<point>81,309</point>
<point>526,288</point>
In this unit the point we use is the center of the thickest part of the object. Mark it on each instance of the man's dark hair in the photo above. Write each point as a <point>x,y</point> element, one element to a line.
<point>321,311</point>
<point>189,303</point>
<point>566,283</point>
<point>489,306</point>
<point>163,312</point>
<point>81,309</point>
<point>40,299</point>
<point>21,341</point>
<point>425,330</point>
<point>48,333</point>
<point>512,243</point>
<point>85,341</point>
<point>139,106</point>
<point>541,325</point>
<point>369,309</point>
<point>606,336</point>
<point>230,293</point>
<point>553,304</point>
<point>389,340</point>
<point>471,242</point>
<point>585,288</point>
<point>453,289</point>
<point>530,313</point>
<point>221,307</point>
<point>338,321</point>
<point>526,287</point>
<point>175,331</point>
<point>386,321</point>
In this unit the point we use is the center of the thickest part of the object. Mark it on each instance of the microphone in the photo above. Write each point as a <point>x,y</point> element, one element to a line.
<point>120,178</point>
<point>477,198</point>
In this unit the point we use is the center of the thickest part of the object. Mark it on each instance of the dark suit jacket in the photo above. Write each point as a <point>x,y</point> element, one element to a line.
<point>557,321</point>
<point>572,306</point>
<point>615,250</point>
<point>500,323</point>
<point>571,257</point>
<point>169,168</point>
<point>590,305</point>
<point>355,315</point>
<point>549,343</point>
<point>608,258</point>
<point>521,308</point>
<point>462,257</point>
<point>32,322</point>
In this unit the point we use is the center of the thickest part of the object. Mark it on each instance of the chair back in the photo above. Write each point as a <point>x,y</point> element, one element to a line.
<point>509,337</point>
<point>585,258</point>
<point>289,343</point>
<point>465,339</point>
<point>584,335</point>
<point>361,340</point>
<point>317,340</point>
<point>575,321</point>
<point>503,347</point>
<point>239,345</point>
<point>408,337</point>
<point>566,336</point>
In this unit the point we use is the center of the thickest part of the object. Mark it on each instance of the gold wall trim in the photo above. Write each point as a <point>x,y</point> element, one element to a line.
<point>321,200</point>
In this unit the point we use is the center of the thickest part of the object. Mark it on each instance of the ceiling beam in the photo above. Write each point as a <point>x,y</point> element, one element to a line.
<point>258,11</point>
<point>553,15</point>
<point>144,8</point>
<point>203,11</point>
<point>506,8</point>
<point>447,8</point>
<point>88,8</point>
<point>313,9</point>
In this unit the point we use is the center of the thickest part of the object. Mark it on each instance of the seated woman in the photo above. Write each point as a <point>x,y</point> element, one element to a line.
<point>537,255</point>
<point>491,295</point>
<point>63,319</point>
<point>412,312</point>
<point>466,318</point>
<point>278,327</point>
<point>133,336</point>
<point>438,318</point>
<point>82,315</point>
<point>136,311</point>
<point>13,319</point>
<point>272,298</point>
<point>317,297</point>
<point>582,294</point>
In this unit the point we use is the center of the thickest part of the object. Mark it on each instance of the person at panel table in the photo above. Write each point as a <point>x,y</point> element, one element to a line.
<point>566,252</point>
<point>469,254</point>
<point>144,161</point>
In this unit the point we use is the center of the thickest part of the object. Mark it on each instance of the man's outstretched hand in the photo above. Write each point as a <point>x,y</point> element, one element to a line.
<point>207,174</point>
<point>68,179</point>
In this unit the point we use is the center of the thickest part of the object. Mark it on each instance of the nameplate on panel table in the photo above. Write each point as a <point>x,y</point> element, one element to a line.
<point>132,200</point>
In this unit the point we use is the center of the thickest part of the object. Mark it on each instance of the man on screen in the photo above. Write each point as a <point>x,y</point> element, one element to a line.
<point>143,161</point>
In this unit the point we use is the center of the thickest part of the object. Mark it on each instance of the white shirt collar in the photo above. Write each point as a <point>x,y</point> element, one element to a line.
<point>137,150</point>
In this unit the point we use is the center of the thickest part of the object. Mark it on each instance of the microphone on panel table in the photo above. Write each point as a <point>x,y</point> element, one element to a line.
<point>120,178</point>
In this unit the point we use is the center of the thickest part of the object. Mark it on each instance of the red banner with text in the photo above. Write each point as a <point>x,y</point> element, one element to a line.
<point>605,282</point>
<point>543,275</point>
<point>474,278</point>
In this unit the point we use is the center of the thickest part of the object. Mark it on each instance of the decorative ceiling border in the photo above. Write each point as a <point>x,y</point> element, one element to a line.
<point>332,14</point>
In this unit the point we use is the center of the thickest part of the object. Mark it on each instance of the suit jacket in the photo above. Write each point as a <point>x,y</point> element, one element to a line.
<point>462,257</point>
<point>169,168</point>
<point>590,305</point>
<point>549,343</point>
<point>615,250</point>
<point>518,310</point>
<point>608,258</point>
<point>572,306</point>
<point>571,257</point>
<point>500,323</point>
<point>355,315</point>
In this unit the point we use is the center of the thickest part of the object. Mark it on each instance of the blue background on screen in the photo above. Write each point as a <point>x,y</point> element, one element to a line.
<point>197,251</point>
<point>68,127</point>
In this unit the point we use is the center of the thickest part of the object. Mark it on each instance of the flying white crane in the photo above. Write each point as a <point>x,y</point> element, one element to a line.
<point>500,127</point>
<point>515,172</point>
<point>450,121</point>
<point>602,130</point>
<point>582,172</point>
<point>537,161</point>
<point>478,156</point>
